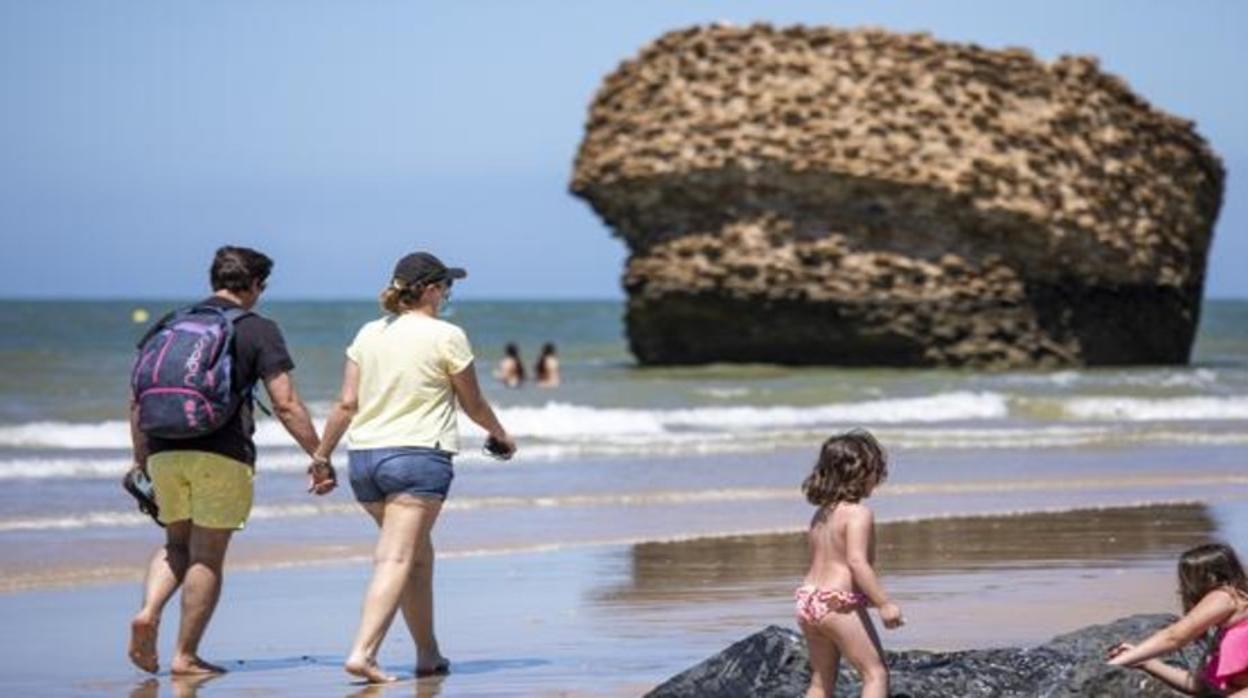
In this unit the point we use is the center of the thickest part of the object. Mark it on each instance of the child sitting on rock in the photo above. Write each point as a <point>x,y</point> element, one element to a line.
<point>831,603</point>
<point>1214,591</point>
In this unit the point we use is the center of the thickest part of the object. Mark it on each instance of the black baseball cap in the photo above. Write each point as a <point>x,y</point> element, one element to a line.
<point>423,268</point>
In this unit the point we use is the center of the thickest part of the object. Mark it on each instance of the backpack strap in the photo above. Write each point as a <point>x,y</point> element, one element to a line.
<point>164,322</point>
<point>235,314</point>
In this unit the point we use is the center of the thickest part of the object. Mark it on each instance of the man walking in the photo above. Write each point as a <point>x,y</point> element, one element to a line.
<point>196,444</point>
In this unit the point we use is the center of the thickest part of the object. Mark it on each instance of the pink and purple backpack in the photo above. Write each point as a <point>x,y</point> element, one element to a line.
<point>181,378</point>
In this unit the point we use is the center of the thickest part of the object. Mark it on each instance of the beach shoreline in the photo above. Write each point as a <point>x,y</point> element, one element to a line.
<point>614,620</point>
<point>555,506</point>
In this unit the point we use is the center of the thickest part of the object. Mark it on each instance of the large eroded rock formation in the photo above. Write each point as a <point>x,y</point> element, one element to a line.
<point>811,195</point>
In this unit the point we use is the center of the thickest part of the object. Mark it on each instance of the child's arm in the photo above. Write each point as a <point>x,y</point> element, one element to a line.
<point>858,532</point>
<point>1178,679</point>
<point>1215,608</point>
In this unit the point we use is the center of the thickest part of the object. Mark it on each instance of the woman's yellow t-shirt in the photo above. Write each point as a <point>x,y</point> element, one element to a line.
<point>405,395</point>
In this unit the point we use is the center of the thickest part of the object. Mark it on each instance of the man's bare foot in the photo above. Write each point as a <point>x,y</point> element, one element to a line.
<point>193,666</point>
<point>143,643</point>
<point>367,669</point>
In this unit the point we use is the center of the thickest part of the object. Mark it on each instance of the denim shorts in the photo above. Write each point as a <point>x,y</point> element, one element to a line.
<point>377,473</point>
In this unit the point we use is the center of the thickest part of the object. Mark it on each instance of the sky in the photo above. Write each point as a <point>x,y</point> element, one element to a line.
<point>137,136</point>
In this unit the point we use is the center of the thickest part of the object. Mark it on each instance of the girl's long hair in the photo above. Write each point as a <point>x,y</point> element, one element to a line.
<point>850,465</point>
<point>1206,568</point>
<point>1201,570</point>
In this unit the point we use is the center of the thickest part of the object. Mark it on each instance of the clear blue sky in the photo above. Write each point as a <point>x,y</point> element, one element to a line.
<point>136,136</point>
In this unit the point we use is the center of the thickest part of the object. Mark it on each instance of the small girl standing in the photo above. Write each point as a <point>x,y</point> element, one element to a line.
<point>1214,591</point>
<point>831,603</point>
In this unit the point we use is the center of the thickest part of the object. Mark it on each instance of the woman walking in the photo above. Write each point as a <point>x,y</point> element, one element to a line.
<point>403,375</point>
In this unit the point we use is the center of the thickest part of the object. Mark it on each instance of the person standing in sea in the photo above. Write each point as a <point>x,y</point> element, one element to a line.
<point>546,371</point>
<point>510,369</point>
<point>203,484</point>
<point>404,374</point>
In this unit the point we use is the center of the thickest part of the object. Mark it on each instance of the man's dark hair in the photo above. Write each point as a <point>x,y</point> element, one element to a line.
<point>237,268</point>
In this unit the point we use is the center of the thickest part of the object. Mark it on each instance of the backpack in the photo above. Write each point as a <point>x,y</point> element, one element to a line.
<point>181,380</point>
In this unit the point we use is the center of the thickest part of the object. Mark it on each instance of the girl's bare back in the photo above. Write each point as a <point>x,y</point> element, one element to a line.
<point>828,540</point>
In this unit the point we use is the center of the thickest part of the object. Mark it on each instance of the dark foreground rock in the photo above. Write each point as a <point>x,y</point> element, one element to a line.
<point>810,195</point>
<point>774,662</point>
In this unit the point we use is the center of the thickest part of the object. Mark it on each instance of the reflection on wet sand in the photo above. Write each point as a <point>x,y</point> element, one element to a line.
<point>719,569</point>
<point>421,688</point>
<point>180,686</point>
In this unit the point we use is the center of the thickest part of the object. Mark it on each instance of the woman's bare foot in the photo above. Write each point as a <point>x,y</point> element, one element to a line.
<point>143,643</point>
<point>193,666</point>
<point>432,665</point>
<point>367,669</point>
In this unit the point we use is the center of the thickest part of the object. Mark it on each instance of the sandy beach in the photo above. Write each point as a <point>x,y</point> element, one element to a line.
<point>669,252</point>
<point>614,620</point>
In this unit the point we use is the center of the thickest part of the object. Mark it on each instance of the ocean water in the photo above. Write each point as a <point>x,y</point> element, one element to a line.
<point>619,438</point>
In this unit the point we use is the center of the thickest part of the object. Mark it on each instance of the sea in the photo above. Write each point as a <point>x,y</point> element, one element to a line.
<point>617,452</point>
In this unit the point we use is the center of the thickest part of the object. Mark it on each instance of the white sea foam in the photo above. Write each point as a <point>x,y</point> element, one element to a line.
<point>117,519</point>
<point>560,431</point>
<point>1199,378</point>
<point>113,466</point>
<point>68,435</point>
<point>724,393</point>
<point>556,420</point>
<point>1157,409</point>
<point>1064,378</point>
<point>695,444</point>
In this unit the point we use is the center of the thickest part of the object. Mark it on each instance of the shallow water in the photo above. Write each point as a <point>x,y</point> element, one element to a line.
<point>617,442</point>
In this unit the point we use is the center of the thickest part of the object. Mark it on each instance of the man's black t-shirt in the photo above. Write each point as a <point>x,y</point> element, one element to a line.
<point>259,353</point>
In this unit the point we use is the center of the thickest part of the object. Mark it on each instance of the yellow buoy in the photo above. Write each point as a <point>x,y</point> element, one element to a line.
<point>139,315</point>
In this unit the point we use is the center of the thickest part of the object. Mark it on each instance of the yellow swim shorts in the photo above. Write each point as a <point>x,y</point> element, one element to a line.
<point>209,489</point>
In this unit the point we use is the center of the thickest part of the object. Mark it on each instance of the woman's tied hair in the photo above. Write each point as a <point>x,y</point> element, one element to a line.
<point>850,465</point>
<point>1206,568</point>
<point>399,296</point>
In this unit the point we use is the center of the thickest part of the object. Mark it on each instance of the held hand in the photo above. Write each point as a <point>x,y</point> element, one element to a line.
<point>890,615</point>
<point>322,479</point>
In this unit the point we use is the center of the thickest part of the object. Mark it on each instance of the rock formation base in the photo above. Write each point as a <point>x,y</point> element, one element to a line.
<point>774,662</point>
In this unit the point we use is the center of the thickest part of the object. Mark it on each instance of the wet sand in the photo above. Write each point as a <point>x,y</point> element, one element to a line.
<point>617,619</point>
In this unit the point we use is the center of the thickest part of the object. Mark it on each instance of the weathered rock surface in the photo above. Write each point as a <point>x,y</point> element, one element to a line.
<point>811,195</point>
<point>774,662</point>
